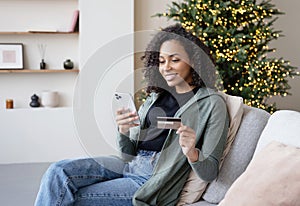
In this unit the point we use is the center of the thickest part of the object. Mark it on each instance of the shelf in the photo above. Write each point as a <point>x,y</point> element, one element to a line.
<point>36,109</point>
<point>39,71</point>
<point>36,32</point>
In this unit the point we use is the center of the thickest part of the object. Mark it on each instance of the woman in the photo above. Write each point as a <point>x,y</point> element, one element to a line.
<point>155,162</point>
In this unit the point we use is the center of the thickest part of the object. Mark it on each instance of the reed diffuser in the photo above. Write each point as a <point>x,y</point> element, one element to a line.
<point>42,51</point>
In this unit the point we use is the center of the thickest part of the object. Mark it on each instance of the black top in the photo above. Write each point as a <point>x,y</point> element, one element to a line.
<point>165,106</point>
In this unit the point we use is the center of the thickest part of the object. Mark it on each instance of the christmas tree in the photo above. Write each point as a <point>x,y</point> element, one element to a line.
<point>238,34</point>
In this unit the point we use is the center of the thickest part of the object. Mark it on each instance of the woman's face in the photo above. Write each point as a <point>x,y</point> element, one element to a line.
<point>174,66</point>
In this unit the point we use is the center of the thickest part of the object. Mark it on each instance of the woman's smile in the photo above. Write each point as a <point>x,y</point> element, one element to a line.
<point>170,77</point>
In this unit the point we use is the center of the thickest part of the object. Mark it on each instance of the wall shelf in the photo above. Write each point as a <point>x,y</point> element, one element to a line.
<point>35,32</point>
<point>39,71</point>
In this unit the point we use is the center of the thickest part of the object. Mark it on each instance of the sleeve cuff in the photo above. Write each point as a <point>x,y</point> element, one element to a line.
<point>200,158</point>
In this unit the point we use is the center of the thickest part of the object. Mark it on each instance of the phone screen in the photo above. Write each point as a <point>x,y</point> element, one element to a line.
<point>125,100</point>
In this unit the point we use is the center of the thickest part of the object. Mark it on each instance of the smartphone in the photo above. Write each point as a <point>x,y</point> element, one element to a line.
<point>125,100</point>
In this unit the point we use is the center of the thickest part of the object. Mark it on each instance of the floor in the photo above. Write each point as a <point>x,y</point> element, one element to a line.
<point>19,183</point>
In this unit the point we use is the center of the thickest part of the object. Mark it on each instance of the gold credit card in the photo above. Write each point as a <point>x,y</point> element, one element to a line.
<point>168,122</point>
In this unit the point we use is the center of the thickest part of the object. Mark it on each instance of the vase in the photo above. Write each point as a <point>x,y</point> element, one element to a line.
<point>42,64</point>
<point>34,101</point>
<point>68,64</point>
<point>49,99</point>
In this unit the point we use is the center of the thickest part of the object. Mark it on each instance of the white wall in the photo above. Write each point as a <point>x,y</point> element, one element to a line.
<point>101,23</point>
<point>143,10</point>
<point>43,135</point>
<point>106,56</point>
<point>39,135</point>
<point>19,15</point>
<point>288,47</point>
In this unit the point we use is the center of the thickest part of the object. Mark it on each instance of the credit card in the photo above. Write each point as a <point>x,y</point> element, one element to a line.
<point>168,122</point>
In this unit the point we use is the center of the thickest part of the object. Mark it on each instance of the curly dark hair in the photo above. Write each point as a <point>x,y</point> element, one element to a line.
<point>203,70</point>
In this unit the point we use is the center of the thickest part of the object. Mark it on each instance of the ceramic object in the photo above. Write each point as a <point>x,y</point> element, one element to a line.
<point>50,99</point>
<point>34,101</point>
<point>68,64</point>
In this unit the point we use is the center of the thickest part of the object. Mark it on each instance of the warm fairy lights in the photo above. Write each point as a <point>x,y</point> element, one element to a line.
<point>238,33</point>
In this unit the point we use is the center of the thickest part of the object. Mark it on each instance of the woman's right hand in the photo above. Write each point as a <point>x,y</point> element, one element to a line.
<point>125,119</point>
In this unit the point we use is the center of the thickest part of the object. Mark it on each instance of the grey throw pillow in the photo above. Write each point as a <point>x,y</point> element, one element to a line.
<point>238,158</point>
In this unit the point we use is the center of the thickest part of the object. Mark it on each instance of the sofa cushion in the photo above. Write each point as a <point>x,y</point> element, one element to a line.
<point>195,186</point>
<point>235,111</point>
<point>281,127</point>
<point>272,178</point>
<point>238,158</point>
<point>192,190</point>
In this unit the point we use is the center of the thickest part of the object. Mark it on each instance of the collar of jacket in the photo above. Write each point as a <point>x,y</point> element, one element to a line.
<point>201,94</point>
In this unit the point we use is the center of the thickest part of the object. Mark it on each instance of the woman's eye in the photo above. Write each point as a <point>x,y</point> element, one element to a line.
<point>175,60</point>
<point>161,61</point>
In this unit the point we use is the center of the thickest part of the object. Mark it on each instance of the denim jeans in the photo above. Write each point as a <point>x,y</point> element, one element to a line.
<point>95,181</point>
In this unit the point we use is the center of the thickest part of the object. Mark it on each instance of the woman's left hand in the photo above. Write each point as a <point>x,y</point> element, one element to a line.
<point>187,141</point>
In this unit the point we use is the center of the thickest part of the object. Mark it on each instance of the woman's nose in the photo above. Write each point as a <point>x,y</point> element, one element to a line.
<point>167,66</point>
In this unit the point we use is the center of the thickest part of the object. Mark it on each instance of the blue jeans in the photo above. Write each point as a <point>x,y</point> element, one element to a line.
<point>99,181</point>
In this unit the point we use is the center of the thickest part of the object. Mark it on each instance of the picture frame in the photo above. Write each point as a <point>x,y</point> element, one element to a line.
<point>11,56</point>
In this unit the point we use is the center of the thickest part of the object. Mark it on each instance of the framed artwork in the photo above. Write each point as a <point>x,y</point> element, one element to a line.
<point>11,56</point>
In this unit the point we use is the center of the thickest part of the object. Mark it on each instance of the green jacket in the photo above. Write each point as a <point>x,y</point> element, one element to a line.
<point>206,113</point>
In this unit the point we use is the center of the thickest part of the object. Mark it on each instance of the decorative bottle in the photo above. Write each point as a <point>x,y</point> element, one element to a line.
<point>42,64</point>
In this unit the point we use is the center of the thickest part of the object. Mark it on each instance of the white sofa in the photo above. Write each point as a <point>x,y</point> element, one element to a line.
<point>257,129</point>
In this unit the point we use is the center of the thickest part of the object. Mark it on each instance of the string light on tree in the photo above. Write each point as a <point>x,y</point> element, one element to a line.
<point>238,32</point>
